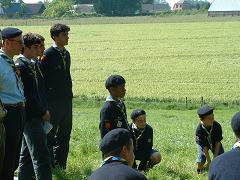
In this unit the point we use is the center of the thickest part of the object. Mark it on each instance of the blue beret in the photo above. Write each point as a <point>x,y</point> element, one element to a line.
<point>204,111</point>
<point>235,123</point>
<point>136,113</point>
<point>114,139</point>
<point>114,80</point>
<point>10,32</point>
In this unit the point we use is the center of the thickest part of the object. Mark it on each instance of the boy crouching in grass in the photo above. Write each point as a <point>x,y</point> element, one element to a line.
<point>208,137</point>
<point>143,136</point>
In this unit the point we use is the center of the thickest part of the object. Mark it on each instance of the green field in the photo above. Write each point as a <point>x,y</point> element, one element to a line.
<point>162,59</point>
<point>158,60</point>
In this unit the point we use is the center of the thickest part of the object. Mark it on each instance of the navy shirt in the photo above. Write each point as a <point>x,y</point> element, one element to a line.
<point>116,170</point>
<point>143,141</point>
<point>113,115</point>
<point>209,137</point>
<point>56,71</point>
<point>35,103</point>
<point>225,166</point>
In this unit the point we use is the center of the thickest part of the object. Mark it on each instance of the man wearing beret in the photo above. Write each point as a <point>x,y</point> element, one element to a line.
<point>113,114</point>
<point>208,137</point>
<point>12,96</point>
<point>117,149</point>
<point>227,165</point>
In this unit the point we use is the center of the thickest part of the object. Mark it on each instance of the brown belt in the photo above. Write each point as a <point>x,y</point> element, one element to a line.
<point>17,105</point>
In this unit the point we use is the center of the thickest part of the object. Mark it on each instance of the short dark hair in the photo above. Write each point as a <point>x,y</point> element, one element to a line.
<point>56,29</point>
<point>42,39</point>
<point>30,39</point>
<point>116,152</point>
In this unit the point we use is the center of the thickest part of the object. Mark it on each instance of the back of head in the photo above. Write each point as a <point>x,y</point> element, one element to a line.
<point>235,123</point>
<point>114,140</point>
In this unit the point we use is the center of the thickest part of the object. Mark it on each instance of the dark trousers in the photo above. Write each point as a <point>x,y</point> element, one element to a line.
<point>35,162</point>
<point>59,136</point>
<point>14,124</point>
<point>2,145</point>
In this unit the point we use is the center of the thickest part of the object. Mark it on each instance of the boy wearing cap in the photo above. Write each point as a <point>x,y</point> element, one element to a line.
<point>117,149</point>
<point>12,97</point>
<point>34,157</point>
<point>208,137</point>
<point>143,135</point>
<point>227,165</point>
<point>113,114</point>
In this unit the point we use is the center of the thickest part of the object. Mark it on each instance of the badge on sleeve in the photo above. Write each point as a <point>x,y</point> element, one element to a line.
<point>107,124</point>
<point>119,124</point>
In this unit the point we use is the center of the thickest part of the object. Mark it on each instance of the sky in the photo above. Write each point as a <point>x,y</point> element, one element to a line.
<point>171,2</point>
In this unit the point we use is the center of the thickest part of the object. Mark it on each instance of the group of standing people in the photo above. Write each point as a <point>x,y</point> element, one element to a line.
<point>36,103</point>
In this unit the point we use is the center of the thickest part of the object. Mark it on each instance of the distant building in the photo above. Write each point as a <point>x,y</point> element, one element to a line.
<point>36,8</point>
<point>84,8</point>
<point>24,10</point>
<point>151,8</point>
<point>224,8</point>
<point>183,5</point>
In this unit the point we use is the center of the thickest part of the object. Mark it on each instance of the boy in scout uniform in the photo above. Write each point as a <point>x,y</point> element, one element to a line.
<point>56,63</point>
<point>113,114</point>
<point>35,162</point>
<point>12,97</point>
<point>117,149</point>
<point>208,137</point>
<point>143,135</point>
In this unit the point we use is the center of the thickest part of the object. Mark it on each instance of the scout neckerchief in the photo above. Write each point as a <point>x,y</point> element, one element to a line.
<point>134,127</point>
<point>114,159</point>
<point>236,145</point>
<point>120,105</point>
<point>31,65</point>
<point>11,63</point>
<point>208,135</point>
<point>63,53</point>
<point>37,65</point>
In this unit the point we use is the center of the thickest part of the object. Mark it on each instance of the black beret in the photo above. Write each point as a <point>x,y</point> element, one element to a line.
<point>114,140</point>
<point>204,111</point>
<point>10,32</point>
<point>235,123</point>
<point>114,80</point>
<point>136,113</point>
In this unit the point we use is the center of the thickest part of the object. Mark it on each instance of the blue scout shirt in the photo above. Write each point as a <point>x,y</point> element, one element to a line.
<point>11,87</point>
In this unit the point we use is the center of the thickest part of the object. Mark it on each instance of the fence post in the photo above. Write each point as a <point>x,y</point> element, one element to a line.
<point>202,101</point>
<point>186,102</point>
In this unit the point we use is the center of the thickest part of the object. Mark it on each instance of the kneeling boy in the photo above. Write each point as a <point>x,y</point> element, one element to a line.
<point>208,137</point>
<point>143,135</point>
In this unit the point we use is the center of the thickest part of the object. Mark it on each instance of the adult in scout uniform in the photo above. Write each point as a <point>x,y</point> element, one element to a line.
<point>117,149</point>
<point>35,161</point>
<point>227,165</point>
<point>208,137</point>
<point>113,113</point>
<point>56,71</point>
<point>12,96</point>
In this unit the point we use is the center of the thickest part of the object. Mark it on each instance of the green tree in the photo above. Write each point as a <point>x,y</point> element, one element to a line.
<point>6,3</point>
<point>117,7</point>
<point>83,1</point>
<point>58,8</point>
